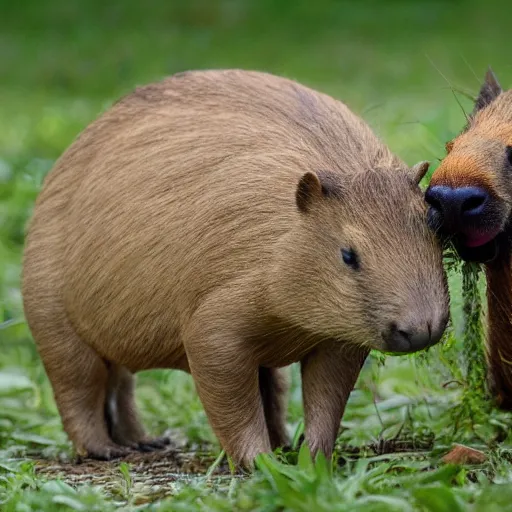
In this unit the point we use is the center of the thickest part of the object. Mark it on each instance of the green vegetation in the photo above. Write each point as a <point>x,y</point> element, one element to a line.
<point>61,63</point>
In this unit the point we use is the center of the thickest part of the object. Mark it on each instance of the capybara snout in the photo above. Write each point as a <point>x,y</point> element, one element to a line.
<point>226,223</point>
<point>411,337</point>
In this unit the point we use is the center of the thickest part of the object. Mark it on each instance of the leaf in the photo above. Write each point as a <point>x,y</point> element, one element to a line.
<point>444,474</point>
<point>389,502</point>
<point>215,464</point>
<point>305,460</point>
<point>6,467</point>
<point>69,501</point>
<point>395,402</point>
<point>299,431</point>
<point>270,469</point>
<point>33,438</point>
<point>437,498</point>
<point>11,383</point>
<point>57,487</point>
<point>323,466</point>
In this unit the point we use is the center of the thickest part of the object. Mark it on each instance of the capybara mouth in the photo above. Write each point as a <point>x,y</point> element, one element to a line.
<point>485,252</point>
<point>468,216</point>
<point>477,239</point>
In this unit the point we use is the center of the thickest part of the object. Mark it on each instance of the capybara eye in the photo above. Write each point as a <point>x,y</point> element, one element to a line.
<point>509,154</point>
<point>350,258</point>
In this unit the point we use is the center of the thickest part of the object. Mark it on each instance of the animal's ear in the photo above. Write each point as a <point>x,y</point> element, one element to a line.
<point>419,170</point>
<point>489,91</point>
<point>448,146</point>
<point>313,187</point>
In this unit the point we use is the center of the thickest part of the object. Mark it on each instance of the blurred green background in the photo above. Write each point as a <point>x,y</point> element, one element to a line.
<point>396,63</point>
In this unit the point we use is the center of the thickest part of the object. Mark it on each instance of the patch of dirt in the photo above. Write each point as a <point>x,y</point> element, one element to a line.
<point>151,475</point>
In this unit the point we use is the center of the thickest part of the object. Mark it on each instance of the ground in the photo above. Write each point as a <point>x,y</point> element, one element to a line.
<point>407,68</point>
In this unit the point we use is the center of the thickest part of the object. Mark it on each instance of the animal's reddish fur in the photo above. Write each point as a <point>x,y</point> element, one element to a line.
<point>459,170</point>
<point>477,157</point>
<point>499,295</point>
<point>174,233</point>
<point>473,157</point>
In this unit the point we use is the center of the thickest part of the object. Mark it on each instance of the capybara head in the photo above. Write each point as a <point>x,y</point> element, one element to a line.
<point>364,262</point>
<point>470,194</point>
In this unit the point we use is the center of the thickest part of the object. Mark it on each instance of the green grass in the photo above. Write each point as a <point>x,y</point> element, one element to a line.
<point>62,63</point>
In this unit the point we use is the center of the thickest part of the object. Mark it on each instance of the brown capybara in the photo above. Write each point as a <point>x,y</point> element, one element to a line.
<point>470,198</point>
<point>226,223</point>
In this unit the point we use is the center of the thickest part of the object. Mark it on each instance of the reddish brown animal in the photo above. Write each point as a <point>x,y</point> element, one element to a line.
<point>226,223</point>
<point>470,199</point>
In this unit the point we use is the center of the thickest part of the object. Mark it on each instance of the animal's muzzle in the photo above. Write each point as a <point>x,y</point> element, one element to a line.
<point>470,217</point>
<point>455,209</point>
<point>414,337</point>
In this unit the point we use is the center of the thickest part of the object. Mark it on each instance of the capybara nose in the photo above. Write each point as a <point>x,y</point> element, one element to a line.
<point>403,339</point>
<point>452,207</point>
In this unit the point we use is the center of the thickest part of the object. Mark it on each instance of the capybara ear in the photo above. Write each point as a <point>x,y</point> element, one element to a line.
<point>489,91</point>
<point>308,189</point>
<point>419,170</point>
<point>314,186</point>
<point>448,146</point>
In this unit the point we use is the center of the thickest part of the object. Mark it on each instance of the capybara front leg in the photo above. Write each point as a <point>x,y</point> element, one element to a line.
<point>274,389</point>
<point>123,419</point>
<point>226,379</point>
<point>499,338</point>
<point>329,374</point>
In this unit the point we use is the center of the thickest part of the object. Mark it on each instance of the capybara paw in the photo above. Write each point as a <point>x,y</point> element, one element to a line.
<point>151,445</point>
<point>109,452</point>
<point>279,441</point>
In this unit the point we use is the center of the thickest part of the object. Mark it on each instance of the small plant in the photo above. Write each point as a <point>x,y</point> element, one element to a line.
<point>475,403</point>
<point>127,482</point>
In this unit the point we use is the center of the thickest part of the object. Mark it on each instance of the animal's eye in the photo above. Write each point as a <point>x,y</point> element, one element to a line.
<point>509,154</point>
<point>350,258</point>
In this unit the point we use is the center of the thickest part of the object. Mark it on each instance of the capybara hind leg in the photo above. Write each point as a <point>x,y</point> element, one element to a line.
<point>273,389</point>
<point>329,374</point>
<point>124,424</point>
<point>79,379</point>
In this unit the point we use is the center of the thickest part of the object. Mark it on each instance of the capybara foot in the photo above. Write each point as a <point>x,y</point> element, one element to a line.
<point>151,445</point>
<point>108,452</point>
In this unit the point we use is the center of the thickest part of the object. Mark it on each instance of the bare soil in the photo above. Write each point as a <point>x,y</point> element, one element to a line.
<point>152,475</point>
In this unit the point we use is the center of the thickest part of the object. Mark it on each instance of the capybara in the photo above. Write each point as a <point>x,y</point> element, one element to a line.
<point>470,198</point>
<point>226,223</point>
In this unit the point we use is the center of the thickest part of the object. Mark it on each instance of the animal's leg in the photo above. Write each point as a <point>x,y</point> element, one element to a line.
<point>79,377</point>
<point>499,332</point>
<point>273,389</point>
<point>226,378</point>
<point>124,424</point>
<point>329,374</point>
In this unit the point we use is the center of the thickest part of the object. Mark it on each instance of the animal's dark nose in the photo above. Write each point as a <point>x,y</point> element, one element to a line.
<point>401,339</point>
<point>456,205</point>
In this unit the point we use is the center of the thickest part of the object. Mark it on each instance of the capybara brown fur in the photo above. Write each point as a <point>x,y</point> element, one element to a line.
<point>226,223</point>
<point>470,197</point>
